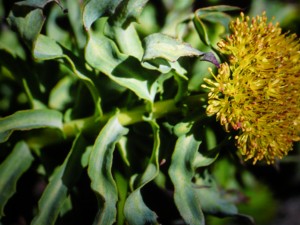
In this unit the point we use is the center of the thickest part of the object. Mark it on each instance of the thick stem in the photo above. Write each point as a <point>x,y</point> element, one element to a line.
<point>127,117</point>
<point>92,125</point>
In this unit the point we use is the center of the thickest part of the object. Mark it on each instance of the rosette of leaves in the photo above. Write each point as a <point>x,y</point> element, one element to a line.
<point>101,121</point>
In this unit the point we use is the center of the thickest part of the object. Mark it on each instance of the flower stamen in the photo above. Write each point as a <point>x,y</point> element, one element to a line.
<point>257,92</point>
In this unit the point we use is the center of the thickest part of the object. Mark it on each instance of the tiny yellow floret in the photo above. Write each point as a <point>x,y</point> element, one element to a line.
<point>257,92</point>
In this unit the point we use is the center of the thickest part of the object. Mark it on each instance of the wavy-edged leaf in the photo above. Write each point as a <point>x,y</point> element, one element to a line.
<point>181,173</point>
<point>28,24</point>
<point>47,49</point>
<point>135,210</point>
<point>11,45</point>
<point>75,18</point>
<point>103,54</point>
<point>61,181</point>
<point>37,3</point>
<point>63,36</point>
<point>127,12</point>
<point>208,23</point>
<point>11,169</point>
<point>9,62</point>
<point>207,19</point>
<point>121,12</point>
<point>128,41</point>
<point>99,170</point>
<point>94,9</point>
<point>212,200</point>
<point>29,119</point>
<point>60,95</point>
<point>206,157</point>
<point>122,186</point>
<point>163,46</point>
<point>218,8</point>
<point>123,151</point>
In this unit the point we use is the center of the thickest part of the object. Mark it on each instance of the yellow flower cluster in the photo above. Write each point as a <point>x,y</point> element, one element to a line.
<point>258,91</point>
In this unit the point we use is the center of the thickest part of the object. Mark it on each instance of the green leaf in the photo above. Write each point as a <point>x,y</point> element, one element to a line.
<point>60,95</point>
<point>102,54</point>
<point>162,46</point>
<point>181,173</point>
<point>99,170</point>
<point>121,12</point>
<point>63,178</point>
<point>194,193</point>
<point>9,62</point>
<point>122,186</point>
<point>10,44</point>
<point>28,24</point>
<point>63,36</point>
<point>128,41</point>
<point>37,3</point>
<point>127,12</point>
<point>75,18</point>
<point>210,152</point>
<point>47,48</point>
<point>29,119</point>
<point>11,169</point>
<point>123,150</point>
<point>212,200</point>
<point>218,8</point>
<point>94,9</point>
<point>211,22</point>
<point>205,158</point>
<point>135,210</point>
<point>183,128</point>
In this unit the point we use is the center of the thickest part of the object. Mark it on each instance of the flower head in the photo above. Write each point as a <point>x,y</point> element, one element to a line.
<point>258,91</point>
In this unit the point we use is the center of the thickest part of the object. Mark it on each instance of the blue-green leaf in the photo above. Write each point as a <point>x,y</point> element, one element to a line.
<point>212,200</point>
<point>128,41</point>
<point>206,157</point>
<point>37,3</point>
<point>181,173</point>
<point>99,170</point>
<point>47,48</point>
<point>135,210</point>
<point>95,9</point>
<point>122,186</point>
<point>212,21</point>
<point>11,169</point>
<point>217,8</point>
<point>162,46</point>
<point>61,181</point>
<point>75,18</point>
<point>28,26</point>
<point>102,54</point>
<point>128,11</point>
<point>59,96</point>
<point>29,119</point>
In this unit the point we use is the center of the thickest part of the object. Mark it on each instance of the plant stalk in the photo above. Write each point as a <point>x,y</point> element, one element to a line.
<point>92,125</point>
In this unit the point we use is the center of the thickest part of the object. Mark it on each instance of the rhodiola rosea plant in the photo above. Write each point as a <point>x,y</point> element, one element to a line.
<point>108,114</point>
